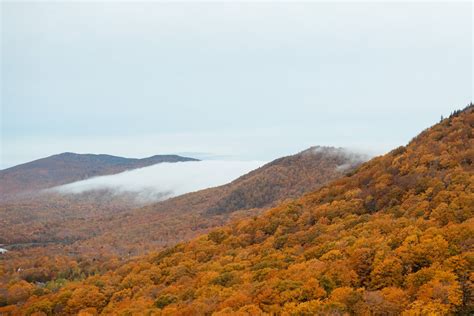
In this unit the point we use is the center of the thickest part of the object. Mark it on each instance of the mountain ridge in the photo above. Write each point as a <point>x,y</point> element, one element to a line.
<point>163,223</point>
<point>69,167</point>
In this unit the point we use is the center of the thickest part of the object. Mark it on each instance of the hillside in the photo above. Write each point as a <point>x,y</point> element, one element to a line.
<point>102,218</point>
<point>183,217</point>
<point>83,233</point>
<point>70,167</point>
<point>286,177</point>
<point>92,232</point>
<point>394,237</point>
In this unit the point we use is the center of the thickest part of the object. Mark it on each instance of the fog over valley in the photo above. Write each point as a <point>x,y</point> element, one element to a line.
<point>164,180</point>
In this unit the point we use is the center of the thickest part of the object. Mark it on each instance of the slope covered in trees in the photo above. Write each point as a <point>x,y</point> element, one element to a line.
<point>70,167</point>
<point>57,217</point>
<point>84,233</point>
<point>396,236</point>
<point>286,177</point>
<point>185,216</point>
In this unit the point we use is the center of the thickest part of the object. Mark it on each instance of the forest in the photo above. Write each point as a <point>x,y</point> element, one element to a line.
<point>395,236</point>
<point>71,236</point>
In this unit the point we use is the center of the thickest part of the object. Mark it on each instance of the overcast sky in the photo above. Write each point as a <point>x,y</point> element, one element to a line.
<point>238,80</point>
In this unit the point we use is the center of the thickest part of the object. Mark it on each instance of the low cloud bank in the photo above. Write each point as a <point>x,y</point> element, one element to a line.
<point>164,180</point>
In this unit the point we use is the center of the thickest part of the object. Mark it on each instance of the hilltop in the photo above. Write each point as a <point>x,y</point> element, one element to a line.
<point>70,167</point>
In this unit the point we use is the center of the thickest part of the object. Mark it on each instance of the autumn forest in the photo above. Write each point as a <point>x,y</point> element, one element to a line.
<point>236,158</point>
<point>390,236</point>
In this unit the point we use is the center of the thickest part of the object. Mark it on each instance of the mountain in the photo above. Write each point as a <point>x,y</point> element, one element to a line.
<point>393,237</point>
<point>183,217</point>
<point>286,177</point>
<point>104,218</point>
<point>83,234</point>
<point>70,167</point>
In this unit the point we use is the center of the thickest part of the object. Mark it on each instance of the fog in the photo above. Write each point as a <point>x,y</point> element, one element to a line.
<point>164,180</point>
<point>351,156</point>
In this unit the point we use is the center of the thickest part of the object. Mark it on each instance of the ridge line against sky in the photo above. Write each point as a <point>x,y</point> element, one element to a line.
<point>240,80</point>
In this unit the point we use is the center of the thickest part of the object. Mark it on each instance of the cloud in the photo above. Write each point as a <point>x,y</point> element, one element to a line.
<point>164,180</point>
<point>352,156</point>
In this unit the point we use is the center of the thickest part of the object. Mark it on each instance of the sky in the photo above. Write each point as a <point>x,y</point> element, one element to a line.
<point>235,81</point>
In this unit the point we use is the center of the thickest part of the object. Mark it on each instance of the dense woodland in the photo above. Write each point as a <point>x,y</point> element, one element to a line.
<point>393,237</point>
<point>54,236</point>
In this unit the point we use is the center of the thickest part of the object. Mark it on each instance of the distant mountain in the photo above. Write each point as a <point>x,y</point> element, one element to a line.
<point>69,167</point>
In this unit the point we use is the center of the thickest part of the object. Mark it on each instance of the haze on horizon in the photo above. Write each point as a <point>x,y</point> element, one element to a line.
<point>238,80</point>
